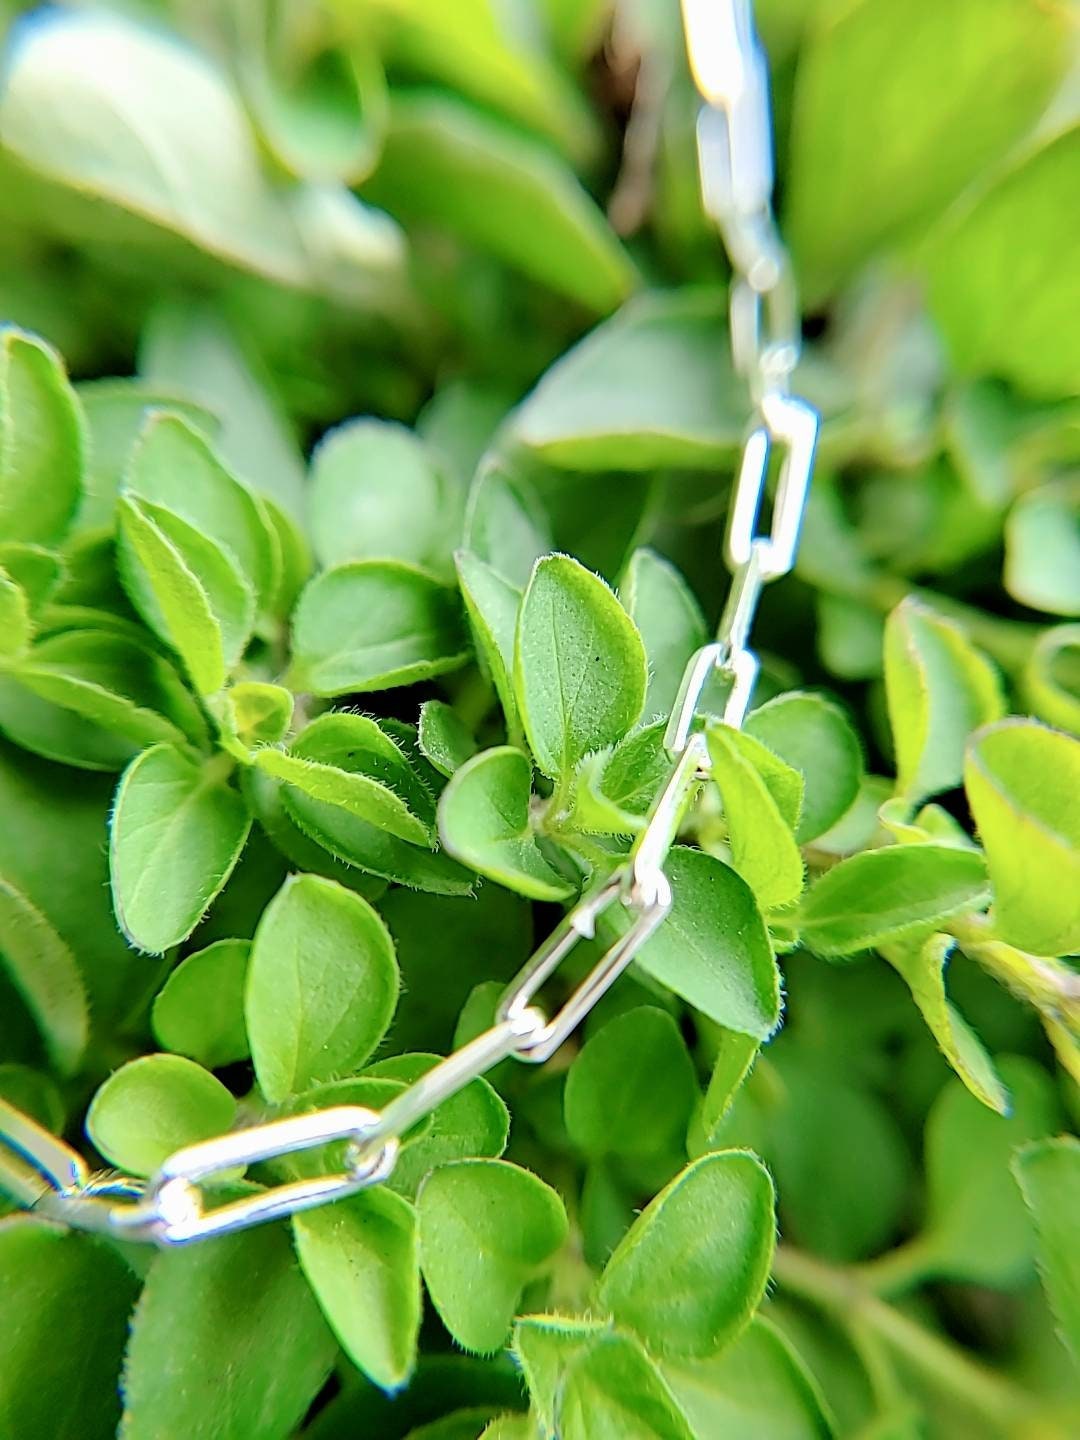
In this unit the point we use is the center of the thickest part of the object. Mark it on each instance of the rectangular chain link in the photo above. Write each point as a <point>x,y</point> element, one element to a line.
<point>735,153</point>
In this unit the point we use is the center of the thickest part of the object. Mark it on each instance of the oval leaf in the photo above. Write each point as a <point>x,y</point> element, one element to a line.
<point>153,1106</point>
<point>199,1011</point>
<point>813,736</point>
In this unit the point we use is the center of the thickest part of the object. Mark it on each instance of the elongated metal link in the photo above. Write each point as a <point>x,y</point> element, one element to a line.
<point>734,135</point>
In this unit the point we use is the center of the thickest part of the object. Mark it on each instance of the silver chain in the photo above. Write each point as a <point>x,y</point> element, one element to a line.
<point>735,153</point>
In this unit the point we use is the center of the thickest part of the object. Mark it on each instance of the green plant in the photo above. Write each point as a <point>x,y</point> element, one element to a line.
<point>299,757</point>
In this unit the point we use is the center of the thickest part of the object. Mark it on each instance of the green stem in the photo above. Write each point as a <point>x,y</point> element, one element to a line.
<point>1050,986</point>
<point>843,1294</point>
<point>897,1271</point>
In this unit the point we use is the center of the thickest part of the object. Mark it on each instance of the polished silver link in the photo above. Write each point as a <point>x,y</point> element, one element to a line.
<point>734,137</point>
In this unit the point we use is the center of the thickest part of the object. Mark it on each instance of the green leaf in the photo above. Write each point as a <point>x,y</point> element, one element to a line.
<point>889,894</point>
<point>612,1391</point>
<point>484,822</point>
<point>710,1234</point>
<point>1049,1176</point>
<point>375,494</point>
<point>153,1106</point>
<point>116,413</point>
<point>41,436</point>
<point>486,1228</point>
<point>981,75</point>
<point>66,1301</point>
<point>174,467</point>
<point>939,689</point>
<point>260,713</point>
<point>505,526</point>
<point>16,627</point>
<point>579,665</point>
<point>713,948</point>
<point>184,592</point>
<point>358,793</point>
<point>35,569</point>
<point>758,1388</point>
<point>1051,678</point>
<point>177,831</point>
<point>443,737</point>
<point>977,1228</point>
<point>923,967</point>
<point>373,624</point>
<point>245,1311</point>
<point>474,1122</point>
<point>734,1060</point>
<point>1005,320</point>
<point>544,1346</point>
<point>492,605</point>
<point>763,848</point>
<point>631,1087</point>
<point>615,788</point>
<point>1042,549</point>
<point>199,1011</point>
<point>321,988</point>
<point>1021,780</point>
<point>672,627</point>
<point>44,970</point>
<point>361,1259</point>
<point>444,163</point>
<point>813,735</point>
<point>652,387</point>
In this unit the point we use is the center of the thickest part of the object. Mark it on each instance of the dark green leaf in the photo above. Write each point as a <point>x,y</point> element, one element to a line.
<point>322,985</point>
<point>199,1011</point>
<point>153,1106</point>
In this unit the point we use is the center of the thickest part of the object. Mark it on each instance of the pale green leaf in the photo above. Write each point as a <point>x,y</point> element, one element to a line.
<point>1051,678</point>
<point>613,1391</point>
<point>443,737</point>
<point>260,713</point>
<point>199,1011</point>
<point>544,1346</point>
<point>505,526</point>
<point>42,436</point>
<point>763,848</point>
<point>1049,1176</point>
<point>153,1106</point>
<point>16,627</point>
<point>813,735</point>
<point>1042,549</point>
<point>672,627</point>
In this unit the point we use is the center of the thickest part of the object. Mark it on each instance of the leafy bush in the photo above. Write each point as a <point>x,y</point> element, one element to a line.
<point>300,756</point>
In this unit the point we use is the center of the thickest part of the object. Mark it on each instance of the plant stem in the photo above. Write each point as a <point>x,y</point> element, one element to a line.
<point>843,1294</point>
<point>1052,987</point>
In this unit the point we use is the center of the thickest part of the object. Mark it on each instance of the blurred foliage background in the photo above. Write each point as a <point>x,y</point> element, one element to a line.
<point>296,211</point>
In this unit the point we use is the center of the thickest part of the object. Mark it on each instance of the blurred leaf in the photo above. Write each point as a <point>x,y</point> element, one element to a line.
<point>631,1086</point>
<point>1052,677</point>
<point>1049,1176</point>
<point>976,1227</point>
<point>261,713</point>
<point>64,1287</point>
<point>375,493</point>
<point>41,463</point>
<point>199,1011</point>
<point>443,737</point>
<point>1042,549</point>
<point>153,1106</point>
<point>612,1391</point>
<point>713,948</point>
<point>447,165</point>
<point>321,988</point>
<point>849,637</point>
<point>411,629</point>
<point>361,1259</point>
<point>939,690</point>
<point>651,387</point>
<point>899,104</point>
<point>16,627</point>
<point>889,894</point>
<point>177,833</point>
<point>923,967</point>
<point>579,665</point>
<point>242,1306</point>
<point>763,848</point>
<point>46,974</point>
<point>758,1388</point>
<point>484,822</point>
<point>672,627</point>
<point>486,1227</point>
<point>710,1234</point>
<point>34,569</point>
<point>1022,779</point>
<point>1000,318</point>
<point>505,526</point>
<point>813,736</point>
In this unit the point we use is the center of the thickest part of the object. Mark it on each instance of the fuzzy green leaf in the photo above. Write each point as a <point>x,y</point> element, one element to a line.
<point>373,624</point>
<point>615,788</point>
<point>259,712</point>
<point>939,690</point>
<point>710,1234</point>
<point>45,972</point>
<point>443,737</point>
<point>631,1086</point>
<point>153,1106</point>
<point>177,831</point>
<point>672,627</point>
<point>613,1391</point>
<point>322,985</point>
<point>1049,1175</point>
<point>492,605</point>
<point>245,1311</point>
<point>199,1011</point>
<point>486,1228</point>
<point>544,1346</point>
<point>763,848</point>
<point>888,894</point>
<point>579,665</point>
<point>362,1261</point>
<point>1022,780</point>
<point>42,437</point>
<point>813,736</point>
<point>484,823</point>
